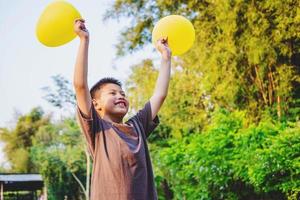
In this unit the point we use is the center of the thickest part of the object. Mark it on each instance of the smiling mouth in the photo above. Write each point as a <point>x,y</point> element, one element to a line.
<point>123,104</point>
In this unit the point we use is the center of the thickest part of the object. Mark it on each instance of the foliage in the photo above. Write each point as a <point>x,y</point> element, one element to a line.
<point>245,55</point>
<point>232,159</point>
<point>70,145</point>
<point>63,96</point>
<point>36,145</point>
<point>18,140</point>
<point>185,102</point>
<point>58,152</point>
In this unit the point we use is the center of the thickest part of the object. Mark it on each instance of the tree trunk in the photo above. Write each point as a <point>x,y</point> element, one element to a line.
<point>278,107</point>
<point>88,167</point>
<point>167,191</point>
<point>260,86</point>
<point>79,182</point>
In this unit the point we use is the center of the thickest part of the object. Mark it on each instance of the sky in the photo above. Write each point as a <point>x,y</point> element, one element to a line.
<point>26,65</point>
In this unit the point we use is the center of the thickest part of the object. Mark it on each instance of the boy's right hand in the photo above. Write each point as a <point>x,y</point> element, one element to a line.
<point>80,29</point>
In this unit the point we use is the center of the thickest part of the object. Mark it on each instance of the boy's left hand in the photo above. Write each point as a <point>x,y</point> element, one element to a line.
<point>163,47</point>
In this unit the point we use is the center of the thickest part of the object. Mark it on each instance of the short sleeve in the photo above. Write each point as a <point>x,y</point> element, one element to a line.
<point>145,117</point>
<point>89,127</point>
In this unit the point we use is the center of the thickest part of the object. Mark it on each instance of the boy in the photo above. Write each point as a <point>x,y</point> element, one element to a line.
<point>121,163</point>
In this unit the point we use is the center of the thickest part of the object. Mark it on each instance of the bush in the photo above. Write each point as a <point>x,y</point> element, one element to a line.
<point>232,159</point>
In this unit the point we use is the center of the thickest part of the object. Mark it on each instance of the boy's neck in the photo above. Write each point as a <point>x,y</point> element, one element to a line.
<point>112,119</point>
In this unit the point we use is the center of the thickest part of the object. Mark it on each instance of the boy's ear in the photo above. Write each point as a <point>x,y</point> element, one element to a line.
<point>96,104</point>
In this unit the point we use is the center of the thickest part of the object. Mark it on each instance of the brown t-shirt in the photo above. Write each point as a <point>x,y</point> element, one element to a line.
<point>122,167</point>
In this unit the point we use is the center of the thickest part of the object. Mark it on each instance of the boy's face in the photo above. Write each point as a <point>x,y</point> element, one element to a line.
<point>111,100</point>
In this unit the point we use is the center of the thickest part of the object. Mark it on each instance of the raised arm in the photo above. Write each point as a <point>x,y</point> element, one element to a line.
<point>80,84</point>
<point>162,82</point>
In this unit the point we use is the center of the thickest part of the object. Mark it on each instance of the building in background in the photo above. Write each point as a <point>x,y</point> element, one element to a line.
<point>22,187</point>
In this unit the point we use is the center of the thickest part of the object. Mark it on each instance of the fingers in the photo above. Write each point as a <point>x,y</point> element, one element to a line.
<point>163,40</point>
<point>162,43</point>
<point>79,20</point>
<point>80,23</point>
<point>80,29</point>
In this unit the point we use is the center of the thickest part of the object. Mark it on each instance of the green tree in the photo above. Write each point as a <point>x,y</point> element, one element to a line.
<point>18,141</point>
<point>232,159</point>
<point>185,102</point>
<point>63,97</point>
<point>244,54</point>
<point>58,152</point>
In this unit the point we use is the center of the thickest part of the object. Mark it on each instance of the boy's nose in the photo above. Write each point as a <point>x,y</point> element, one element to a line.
<point>121,97</point>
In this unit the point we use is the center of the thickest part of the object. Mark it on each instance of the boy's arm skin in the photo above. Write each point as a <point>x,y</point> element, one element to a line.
<point>162,82</point>
<point>80,83</point>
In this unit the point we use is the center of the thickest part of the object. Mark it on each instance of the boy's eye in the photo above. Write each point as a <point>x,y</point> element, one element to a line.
<point>114,93</point>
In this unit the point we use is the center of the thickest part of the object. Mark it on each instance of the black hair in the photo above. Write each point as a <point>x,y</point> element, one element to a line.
<point>102,82</point>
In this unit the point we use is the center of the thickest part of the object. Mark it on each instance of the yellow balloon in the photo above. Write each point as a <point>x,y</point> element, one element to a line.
<point>55,25</point>
<point>179,30</point>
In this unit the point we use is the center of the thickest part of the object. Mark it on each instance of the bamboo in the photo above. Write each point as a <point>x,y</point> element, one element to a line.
<point>88,163</point>
<point>2,198</point>
<point>260,84</point>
